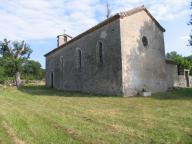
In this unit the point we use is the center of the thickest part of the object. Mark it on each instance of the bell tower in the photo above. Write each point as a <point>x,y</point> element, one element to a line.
<point>62,39</point>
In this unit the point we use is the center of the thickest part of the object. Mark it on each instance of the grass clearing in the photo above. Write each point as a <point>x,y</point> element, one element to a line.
<point>37,115</point>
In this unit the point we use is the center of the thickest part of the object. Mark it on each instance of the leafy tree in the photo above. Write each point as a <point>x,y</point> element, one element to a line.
<point>33,68</point>
<point>8,66</point>
<point>190,23</point>
<point>15,53</point>
<point>2,73</point>
<point>172,55</point>
<point>189,58</point>
<point>183,62</point>
<point>30,70</point>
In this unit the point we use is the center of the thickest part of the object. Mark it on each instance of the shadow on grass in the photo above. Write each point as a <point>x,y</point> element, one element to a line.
<point>41,90</point>
<point>177,94</point>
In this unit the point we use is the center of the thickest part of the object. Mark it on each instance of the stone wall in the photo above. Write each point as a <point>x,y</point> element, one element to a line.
<point>92,77</point>
<point>172,75</point>
<point>128,66</point>
<point>181,81</point>
<point>143,66</point>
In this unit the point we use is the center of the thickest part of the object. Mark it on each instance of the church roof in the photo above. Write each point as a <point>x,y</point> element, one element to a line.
<point>107,21</point>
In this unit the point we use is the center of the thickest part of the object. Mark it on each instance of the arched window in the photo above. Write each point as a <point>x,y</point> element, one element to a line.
<point>61,63</point>
<point>100,52</point>
<point>79,58</point>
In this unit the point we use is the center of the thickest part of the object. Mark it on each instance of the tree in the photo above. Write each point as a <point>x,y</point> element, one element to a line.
<point>16,52</point>
<point>108,9</point>
<point>32,69</point>
<point>182,62</point>
<point>172,55</point>
<point>190,23</point>
<point>2,73</point>
<point>8,65</point>
<point>189,58</point>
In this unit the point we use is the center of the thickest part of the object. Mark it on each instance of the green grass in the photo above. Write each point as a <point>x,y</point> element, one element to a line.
<point>37,115</point>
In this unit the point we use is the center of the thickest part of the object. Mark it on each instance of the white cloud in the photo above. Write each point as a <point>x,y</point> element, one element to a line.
<point>161,9</point>
<point>43,19</point>
<point>184,38</point>
<point>169,9</point>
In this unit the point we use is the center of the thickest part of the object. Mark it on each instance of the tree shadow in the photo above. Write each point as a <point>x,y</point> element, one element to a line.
<point>176,94</point>
<point>42,90</point>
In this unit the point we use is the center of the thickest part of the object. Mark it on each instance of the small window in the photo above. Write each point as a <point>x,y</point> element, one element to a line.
<point>61,63</point>
<point>79,58</point>
<point>145,41</point>
<point>100,52</point>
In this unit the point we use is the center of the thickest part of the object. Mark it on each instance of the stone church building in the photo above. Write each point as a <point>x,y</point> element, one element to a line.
<point>123,55</point>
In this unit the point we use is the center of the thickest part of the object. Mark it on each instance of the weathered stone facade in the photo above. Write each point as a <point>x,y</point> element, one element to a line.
<point>172,75</point>
<point>92,76</point>
<point>143,67</point>
<point>132,57</point>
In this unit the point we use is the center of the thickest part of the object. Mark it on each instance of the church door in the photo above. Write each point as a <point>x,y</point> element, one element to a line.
<point>52,80</point>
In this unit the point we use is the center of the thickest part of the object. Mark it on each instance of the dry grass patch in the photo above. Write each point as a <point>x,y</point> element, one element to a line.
<point>12,133</point>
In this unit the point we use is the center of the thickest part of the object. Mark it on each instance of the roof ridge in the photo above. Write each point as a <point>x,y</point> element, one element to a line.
<point>132,11</point>
<point>108,20</point>
<point>138,9</point>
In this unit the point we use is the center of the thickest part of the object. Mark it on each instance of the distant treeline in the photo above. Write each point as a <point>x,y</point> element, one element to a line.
<point>30,70</point>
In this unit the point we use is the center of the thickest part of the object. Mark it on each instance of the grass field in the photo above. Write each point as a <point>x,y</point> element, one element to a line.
<point>36,115</point>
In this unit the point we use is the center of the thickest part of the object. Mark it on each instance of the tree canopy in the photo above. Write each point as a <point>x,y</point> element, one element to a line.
<point>32,70</point>
<point>14,61</point>
<point>190,24</point>
<point>183,62</point>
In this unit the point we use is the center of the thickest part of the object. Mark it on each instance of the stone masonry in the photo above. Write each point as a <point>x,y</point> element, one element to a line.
<point>122,55</point>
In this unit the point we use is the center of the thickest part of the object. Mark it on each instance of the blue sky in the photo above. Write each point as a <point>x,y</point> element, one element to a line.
<point>40,21</point>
